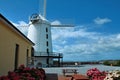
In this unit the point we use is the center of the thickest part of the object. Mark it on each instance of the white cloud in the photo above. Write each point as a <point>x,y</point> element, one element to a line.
<point>80,41</point>
<point>72,32</point>
<point>20,23</point>
<point>22,26</point>
<point>101,21</point>
<point>56,22</point>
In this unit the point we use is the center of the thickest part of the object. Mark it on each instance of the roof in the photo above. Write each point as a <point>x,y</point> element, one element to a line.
<point>11,25</point>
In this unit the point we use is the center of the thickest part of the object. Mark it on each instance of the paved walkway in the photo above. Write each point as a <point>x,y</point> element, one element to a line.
<point>61,77</point>
<point>73,77</point>
<point>53,76</point>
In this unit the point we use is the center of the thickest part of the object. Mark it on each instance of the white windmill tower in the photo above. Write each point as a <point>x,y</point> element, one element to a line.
<point>40,33</point>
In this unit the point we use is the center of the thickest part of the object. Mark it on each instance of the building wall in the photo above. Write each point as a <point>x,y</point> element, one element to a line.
<point>37,33</point>
<point>8,40</point>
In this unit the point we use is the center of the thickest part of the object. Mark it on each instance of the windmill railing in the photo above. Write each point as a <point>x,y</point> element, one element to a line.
<point>51,54</point>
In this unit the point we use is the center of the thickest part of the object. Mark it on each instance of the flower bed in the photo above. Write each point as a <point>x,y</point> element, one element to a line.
<point>113,75</point>
<point>95,74</point>
<point>25,73</point>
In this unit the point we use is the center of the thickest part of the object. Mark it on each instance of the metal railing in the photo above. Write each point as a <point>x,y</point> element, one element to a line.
<point>53,54</point>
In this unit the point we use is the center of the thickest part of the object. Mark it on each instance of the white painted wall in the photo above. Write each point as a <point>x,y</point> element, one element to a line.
<point>37,34</point>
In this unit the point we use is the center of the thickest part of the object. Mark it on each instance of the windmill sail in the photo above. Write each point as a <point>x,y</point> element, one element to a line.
<point>63,25</point>
<point>44,10</point>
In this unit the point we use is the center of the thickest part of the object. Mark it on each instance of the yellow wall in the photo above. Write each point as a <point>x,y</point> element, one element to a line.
<point>8,40</point>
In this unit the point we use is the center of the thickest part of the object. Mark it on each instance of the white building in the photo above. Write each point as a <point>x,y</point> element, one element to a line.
<point>40,33</point>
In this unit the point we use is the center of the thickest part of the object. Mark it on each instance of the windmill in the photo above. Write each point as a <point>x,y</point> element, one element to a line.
<point>40,33</point>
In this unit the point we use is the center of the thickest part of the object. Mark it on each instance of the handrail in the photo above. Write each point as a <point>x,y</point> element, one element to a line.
<point>54,54</point>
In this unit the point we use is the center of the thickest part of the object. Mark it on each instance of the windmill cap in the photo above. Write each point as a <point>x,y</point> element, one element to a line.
<point>37,17</point>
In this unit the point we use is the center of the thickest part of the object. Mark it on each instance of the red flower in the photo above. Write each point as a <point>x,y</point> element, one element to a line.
<point>4,78</point>
<point>95,74</point>
<point>25,73</point>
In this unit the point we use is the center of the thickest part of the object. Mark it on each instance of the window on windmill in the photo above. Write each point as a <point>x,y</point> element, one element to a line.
<point>46,29</point>
<point>47,43</point>
<point>47,50</point>
<point>46,36</point>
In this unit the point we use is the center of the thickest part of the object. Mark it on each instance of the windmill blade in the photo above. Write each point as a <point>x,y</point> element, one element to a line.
<point>24,25</point>
<point>44,10</point>
<point>63,25</point>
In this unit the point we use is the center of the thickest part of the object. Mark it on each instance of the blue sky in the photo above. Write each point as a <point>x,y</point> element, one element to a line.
<point>96,34</point>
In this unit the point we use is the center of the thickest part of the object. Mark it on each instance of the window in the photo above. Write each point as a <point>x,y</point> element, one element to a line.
<point>27,53</point>
<point>27,56</point>
<point>47,61</point>
<point>47,50</point>
<point>47,43</point>
<point>46,36</point>
<point>32,52</point>
<point>16,56</point>
<point>46,29</point>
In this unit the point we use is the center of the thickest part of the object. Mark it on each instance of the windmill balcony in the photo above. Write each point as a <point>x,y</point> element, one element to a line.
<point>50,54</point>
